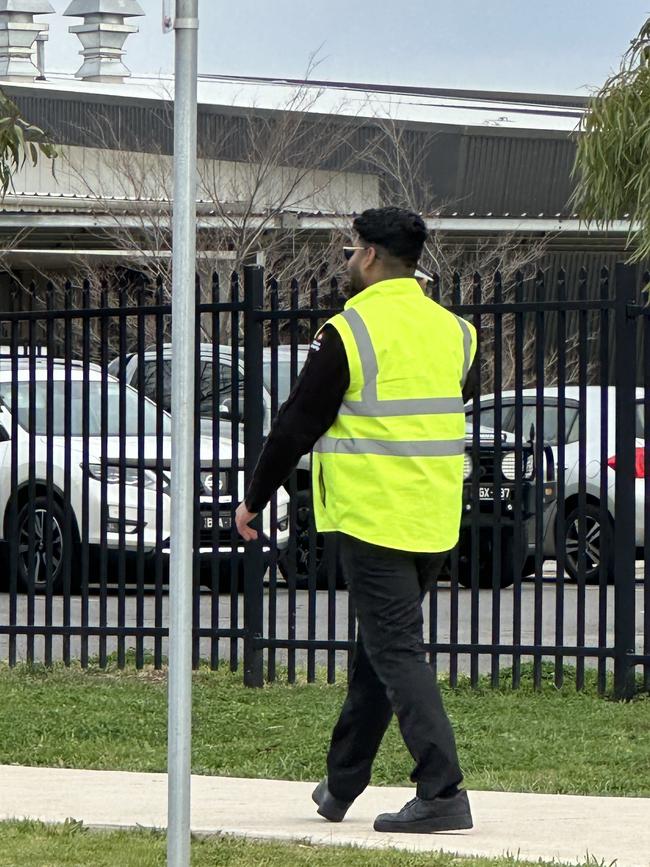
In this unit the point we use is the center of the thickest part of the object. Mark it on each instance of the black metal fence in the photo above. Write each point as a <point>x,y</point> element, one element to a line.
<point>552,563</point>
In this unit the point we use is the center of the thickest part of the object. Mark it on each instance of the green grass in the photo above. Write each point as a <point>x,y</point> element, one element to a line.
<point>511,740</point>
<point>32,844</point>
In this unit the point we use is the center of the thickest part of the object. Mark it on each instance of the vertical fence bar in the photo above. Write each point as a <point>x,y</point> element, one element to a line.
<point>561,461</point>
<point>14,541</point>
<point>84,564</point>
<point>540,464</point>
<point>67,471</point>
<point>236,562</point>
<point>104,336</point>
<point>49,481</point>
<point>333,570</point>
<point>519,539</point>
<point>501,556</point>
<point>253,437</point>
<point>314,574</point>
<point>217,459</point>
<point>121,486</point>
<point>32,572</point>
<point>581,578</point>
<point>294,301</point>
<point>196,485</point>
<point>273,379</point>
<point>475,504</point>
<point>161,378</point>
<point>454,590</point>
<point>624,527</point>
<point>140,511</point>
<point>606,541</point>
<point>272,364</point>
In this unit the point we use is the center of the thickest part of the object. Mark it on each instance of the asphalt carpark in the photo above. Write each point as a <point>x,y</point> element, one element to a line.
<point>301,615</point>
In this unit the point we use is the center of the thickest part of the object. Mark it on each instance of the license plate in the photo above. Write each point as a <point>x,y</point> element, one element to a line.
<point>487,492</point>
<point>207,522</point>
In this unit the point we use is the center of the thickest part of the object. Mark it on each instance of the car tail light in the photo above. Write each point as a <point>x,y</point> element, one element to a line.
<point>639,463</point>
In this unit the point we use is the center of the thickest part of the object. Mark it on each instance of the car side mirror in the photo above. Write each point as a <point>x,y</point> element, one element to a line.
<point>225,411</point>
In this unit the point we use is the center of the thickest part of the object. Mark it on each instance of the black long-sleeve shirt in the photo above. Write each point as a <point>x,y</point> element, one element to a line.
<point>308,413</point>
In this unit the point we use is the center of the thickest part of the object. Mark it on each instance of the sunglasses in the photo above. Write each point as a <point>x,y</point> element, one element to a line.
<point>349,252</point>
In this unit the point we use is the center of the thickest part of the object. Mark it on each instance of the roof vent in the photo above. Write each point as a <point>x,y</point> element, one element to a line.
<point>102,36</point>
<point>18,32</point>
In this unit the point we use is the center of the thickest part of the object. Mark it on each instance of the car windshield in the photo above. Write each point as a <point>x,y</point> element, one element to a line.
<point>32,409</point>
<point>152,386</point>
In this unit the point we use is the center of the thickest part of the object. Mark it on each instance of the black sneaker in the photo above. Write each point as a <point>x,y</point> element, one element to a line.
<point>425,817</point>
<point>329,807</point>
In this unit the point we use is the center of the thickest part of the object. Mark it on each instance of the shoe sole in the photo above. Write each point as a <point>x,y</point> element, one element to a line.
<point>425,826</point>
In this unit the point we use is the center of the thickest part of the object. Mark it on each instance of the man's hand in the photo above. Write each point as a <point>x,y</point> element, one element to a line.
<point>242,519</point>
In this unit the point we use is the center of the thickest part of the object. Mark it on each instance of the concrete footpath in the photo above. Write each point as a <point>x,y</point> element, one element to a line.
<point>567,828</point>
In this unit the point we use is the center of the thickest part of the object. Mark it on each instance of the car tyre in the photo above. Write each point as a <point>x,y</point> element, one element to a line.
<point>42,576</point>
<point>593,538</point>
<point>486,578</point>
<point>304,552</point>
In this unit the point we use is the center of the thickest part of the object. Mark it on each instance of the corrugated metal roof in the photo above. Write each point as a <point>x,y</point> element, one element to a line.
<point>342,100</point>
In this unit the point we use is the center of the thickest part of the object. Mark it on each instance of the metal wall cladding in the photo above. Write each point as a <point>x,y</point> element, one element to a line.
<point>109,124</point>
<point>514,175</point>
<point>463,171</point>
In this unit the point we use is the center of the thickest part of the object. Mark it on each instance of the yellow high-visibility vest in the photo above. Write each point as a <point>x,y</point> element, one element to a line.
<point>390,469</point>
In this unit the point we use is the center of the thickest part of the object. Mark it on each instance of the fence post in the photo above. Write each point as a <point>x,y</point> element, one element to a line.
<point>624,525</point>
<point>253,438</point>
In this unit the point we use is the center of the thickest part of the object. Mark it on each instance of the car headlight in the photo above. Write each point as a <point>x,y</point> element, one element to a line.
<point>131,477</point>
<point>508,466</point>
<point>468,466</point>
<point>207,480</point>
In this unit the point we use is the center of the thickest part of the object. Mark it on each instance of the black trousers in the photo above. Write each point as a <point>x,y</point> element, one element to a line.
<point>390,674</point>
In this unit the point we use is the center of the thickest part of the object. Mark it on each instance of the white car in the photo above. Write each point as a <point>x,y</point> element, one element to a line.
<point>569,536</point>
<point>115,464</point>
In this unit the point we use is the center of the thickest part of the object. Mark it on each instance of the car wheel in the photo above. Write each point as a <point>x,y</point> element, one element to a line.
<point>529,568</point>
<point>36,570</point>
<point>486,576</point>
<point>592,544</point>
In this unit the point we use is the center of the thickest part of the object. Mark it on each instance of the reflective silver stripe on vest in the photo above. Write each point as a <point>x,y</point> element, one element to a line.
<point>366,353</point>
<point>407,406</point>
<point>369,405</point>
<point>467,348</point>
<point>392,448</point>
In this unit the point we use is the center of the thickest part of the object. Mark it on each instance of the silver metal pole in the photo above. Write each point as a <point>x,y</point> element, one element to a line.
<point>182,468</point>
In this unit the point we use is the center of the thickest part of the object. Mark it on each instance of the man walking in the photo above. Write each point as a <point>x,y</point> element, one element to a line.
<point>380,402</point>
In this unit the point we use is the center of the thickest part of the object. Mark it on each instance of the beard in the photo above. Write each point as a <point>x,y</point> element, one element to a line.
<point>355,285</point>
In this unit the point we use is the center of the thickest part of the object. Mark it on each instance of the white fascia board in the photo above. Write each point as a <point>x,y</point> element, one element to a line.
<point>79,220</point>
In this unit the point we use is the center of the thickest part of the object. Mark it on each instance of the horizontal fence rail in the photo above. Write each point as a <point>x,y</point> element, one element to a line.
<point>552,568</point>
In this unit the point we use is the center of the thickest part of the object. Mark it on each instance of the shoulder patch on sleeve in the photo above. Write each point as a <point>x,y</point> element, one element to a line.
<point>315,345</point>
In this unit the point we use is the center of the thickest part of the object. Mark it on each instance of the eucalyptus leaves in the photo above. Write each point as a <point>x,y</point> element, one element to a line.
<point>612,166</point>
<point>19,141</point>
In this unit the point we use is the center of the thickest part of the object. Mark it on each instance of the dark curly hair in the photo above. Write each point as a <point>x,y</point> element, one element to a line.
<point>399,232</point>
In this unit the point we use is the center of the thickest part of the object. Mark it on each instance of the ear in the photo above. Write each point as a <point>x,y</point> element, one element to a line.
<point>370,257</point>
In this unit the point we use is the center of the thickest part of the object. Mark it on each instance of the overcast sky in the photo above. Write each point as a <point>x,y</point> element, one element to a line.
<point>558,46</point>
